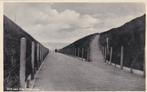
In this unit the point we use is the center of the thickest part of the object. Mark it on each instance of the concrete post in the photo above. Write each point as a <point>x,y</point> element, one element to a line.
<point>111,51</point>
<point>32,59</point>
<point>121,57</point>
<point>22,62</point>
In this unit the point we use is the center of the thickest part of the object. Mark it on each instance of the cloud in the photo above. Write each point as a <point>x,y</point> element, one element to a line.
<point>45,23</point>
<point>67,22</point>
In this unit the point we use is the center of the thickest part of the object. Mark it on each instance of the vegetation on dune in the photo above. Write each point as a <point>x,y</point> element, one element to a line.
<point>12,35</point>
<point>132,37</point>
<point>76,48</point>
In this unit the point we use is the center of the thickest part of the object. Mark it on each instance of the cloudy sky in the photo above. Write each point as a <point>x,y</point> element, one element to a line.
<point>67,22</point>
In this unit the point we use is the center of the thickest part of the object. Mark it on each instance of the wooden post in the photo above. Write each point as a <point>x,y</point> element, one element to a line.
<point>111,52</point>
<point>32,59</point>
<point>121,57</point>
<point>22,62</point>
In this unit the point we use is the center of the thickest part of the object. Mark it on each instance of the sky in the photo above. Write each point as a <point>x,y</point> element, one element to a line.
<point>68,22</point>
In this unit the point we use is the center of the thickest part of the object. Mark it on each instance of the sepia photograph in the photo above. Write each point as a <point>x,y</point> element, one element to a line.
<point>74,46</point>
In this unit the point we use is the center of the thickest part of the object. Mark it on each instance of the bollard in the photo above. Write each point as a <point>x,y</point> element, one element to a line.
<point>121,57</point>
<point>22,62</point>
<point>32,59</point>
<point>111,51</point>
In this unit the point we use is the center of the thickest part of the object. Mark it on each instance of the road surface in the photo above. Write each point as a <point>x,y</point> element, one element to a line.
<point>65,73</point>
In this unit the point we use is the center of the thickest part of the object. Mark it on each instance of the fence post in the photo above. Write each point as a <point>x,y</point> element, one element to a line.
<point>82,52</point>
<point>144,67</point>
<point>111,52</point>
<point>37,56</point>
<point>105,54</point>
<point>103,51</point>
<point>22,62</point>
<point>41,53</point>
<point>78,52</point>
<point>75,51</point>
<point>32,59</point>
<point>88,54</point>
<point>121,57</point>
<point>107,48</point>
<point>131,69</point>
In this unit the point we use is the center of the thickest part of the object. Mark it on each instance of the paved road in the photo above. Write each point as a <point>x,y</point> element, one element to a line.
<point>64,73</point>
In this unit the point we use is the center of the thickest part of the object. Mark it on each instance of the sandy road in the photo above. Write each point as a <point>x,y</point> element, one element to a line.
<point>64,73</point>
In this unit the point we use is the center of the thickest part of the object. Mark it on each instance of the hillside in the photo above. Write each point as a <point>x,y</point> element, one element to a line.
<point>12,35</point>
<point>132,37</point>
<point>75,49</point>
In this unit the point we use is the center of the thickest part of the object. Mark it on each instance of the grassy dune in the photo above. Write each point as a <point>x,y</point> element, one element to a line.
<point>77,46</point>
<point>12,35</point>
<point>132,37</point>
